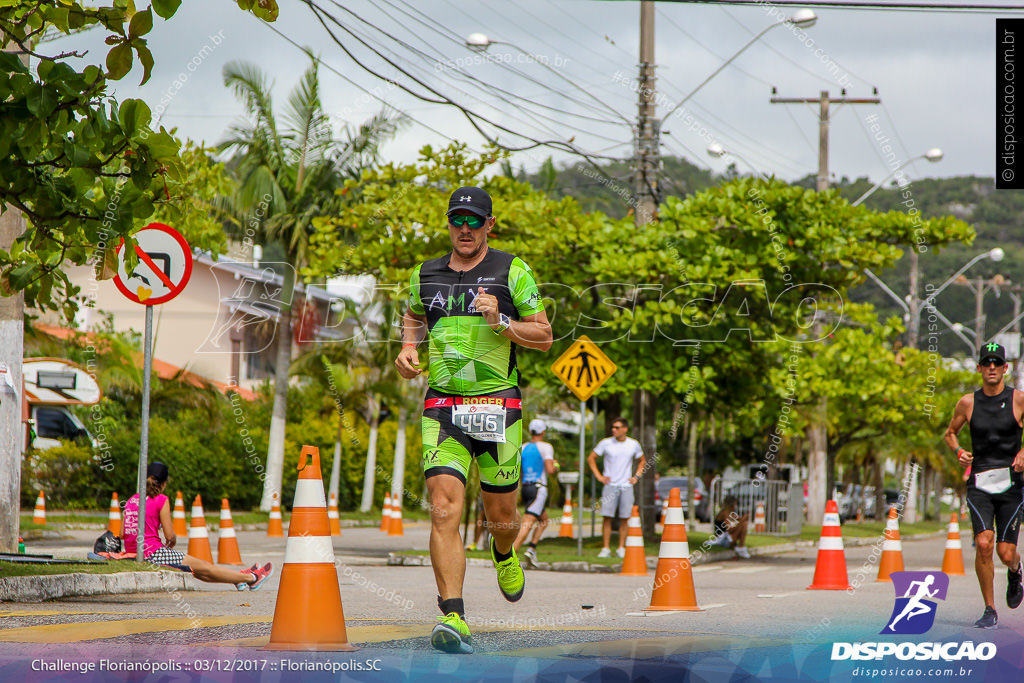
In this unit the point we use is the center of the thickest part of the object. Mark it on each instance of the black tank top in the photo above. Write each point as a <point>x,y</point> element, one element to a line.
<point>995,434</point>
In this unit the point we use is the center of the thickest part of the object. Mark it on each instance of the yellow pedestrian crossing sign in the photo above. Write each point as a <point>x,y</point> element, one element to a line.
<point>583,368</point>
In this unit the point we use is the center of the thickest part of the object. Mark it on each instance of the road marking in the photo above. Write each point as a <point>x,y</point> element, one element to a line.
<point>647,648</point>
<point>800,570</point>
<point>706,568</point>
<point>753,569</point>
<point>96,630</point>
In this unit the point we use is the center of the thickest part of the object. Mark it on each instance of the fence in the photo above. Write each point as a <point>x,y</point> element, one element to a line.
<point>783,502</point>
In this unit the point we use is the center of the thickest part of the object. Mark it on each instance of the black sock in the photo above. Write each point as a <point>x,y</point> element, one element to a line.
<point>533,545</point>
<point>452,605</point>
<point>501,557</point>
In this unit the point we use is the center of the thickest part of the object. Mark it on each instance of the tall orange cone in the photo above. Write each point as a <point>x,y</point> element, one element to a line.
<point>830,570</point>
<point>114,516</point>
<point>892,548</point>
<point>332,515</point>
<point>39,515</point>
<point>198,536</point>
<point>178,517</point>
<point>385,518</point>
<point>395,526</point>
<point>566,530</point>
<point>635,561</point>
<point>308,615</point>
<point>759,522</point>
<point>953,559</point>
<point>274,527</point>
<point>227,544</point>
<point>673,579</point>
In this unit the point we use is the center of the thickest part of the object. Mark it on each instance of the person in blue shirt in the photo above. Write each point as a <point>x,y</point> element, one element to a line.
<point>538,458</point>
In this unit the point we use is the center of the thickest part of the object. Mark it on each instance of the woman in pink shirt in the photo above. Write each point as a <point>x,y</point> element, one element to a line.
<point>158,516</point>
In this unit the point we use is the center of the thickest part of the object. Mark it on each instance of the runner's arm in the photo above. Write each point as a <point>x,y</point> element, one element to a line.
<point>167,525</point>
<point>531,331</point>
<point>414,328</point>
<point>955,425</point>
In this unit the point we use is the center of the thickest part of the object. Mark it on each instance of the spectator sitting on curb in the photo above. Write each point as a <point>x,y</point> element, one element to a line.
<point>158,516</point>
<point>730,530</point>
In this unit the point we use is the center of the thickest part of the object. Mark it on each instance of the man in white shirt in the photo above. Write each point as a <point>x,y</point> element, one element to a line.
<point>623,465</point>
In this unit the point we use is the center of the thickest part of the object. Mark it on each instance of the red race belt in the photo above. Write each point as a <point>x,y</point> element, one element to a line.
<point>449,401</point>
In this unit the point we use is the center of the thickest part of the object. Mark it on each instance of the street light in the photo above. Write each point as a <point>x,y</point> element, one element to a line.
<point>717,151</point>
<point>802,18</point>
<point>914,309</point>
<point>479,42</point>
<point>933,155</point>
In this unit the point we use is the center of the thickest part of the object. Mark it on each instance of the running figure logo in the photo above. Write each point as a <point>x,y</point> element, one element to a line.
<point>913,612</point>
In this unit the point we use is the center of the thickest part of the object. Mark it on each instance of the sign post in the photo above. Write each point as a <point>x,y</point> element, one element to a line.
<point>163,270</point>
<point>583,356</point>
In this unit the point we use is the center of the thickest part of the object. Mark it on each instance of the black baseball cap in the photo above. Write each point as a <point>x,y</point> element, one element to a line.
<point>158,471</point>
<point>471,199</point>
<point>992,350</point>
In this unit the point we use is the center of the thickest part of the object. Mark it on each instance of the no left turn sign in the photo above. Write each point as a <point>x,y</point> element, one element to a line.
<point>164,267</point>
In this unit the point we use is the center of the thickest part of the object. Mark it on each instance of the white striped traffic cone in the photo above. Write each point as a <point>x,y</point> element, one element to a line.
<point>759,521</point>
<point>198,536</point>
<point>114,516</point>
<point>566,529</point>
<point>634,563</point>
<point>308,614</point>
<point>227,544</point>
<point>274,527</point>
<point>385,518</point>
<point>39,514</point>
<point>892,548</point>
<point>673,579</point>
<point>332,516</point>
<point>953,558</point>
<point>395,526</point>
<point>830,569</point>
<point>178,517</point>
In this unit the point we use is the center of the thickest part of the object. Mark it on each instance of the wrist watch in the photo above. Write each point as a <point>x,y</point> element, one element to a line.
<point>503,323</point>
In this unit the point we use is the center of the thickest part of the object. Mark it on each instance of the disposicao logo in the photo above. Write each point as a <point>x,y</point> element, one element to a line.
<point>914,613</point>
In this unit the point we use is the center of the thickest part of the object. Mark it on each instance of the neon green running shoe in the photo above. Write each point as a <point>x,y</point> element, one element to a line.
<point>511,579</point>
<point>452,635</point>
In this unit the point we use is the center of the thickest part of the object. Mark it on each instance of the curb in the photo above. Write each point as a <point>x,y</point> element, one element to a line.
<point>55,586</point>
<point>697,558</point>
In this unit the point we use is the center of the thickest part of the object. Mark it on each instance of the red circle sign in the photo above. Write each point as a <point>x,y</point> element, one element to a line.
<point>164,267</point>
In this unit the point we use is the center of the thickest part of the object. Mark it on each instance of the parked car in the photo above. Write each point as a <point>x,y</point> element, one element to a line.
<point>700,495</point>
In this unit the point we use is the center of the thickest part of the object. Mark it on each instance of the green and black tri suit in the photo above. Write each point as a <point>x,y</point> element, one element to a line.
<point>472,364</point>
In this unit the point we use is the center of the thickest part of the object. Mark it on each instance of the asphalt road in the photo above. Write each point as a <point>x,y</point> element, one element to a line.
<point>757,620</point>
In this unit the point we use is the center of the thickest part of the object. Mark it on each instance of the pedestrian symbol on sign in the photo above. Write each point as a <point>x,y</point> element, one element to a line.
<point>583,367</point>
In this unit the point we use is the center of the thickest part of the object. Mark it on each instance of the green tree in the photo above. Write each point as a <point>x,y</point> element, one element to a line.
<point>289,174</point>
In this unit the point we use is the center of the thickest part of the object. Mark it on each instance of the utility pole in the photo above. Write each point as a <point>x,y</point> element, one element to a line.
<point>12,348</point>
<point>980,286</point>
<point>648,162</point>
<point>821,475</point>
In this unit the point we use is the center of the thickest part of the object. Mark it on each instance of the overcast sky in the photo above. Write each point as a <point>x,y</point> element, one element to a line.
<point>935,74</point>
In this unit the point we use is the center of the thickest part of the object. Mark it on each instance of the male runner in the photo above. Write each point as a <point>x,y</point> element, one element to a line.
<point>994,489</point>
<point>475,305</point>
<point>538,458</point>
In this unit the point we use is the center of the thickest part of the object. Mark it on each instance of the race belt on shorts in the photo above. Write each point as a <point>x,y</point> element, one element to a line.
<point>449,401</point>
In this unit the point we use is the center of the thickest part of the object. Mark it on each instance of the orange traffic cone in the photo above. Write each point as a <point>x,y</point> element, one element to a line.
<point>274,527</point>
<point>673,579</point>
<point>178,517</point>
<point>114,516</point>
<point>953,560</point>
<point>385,518</point>
<point>635,561</point>
<point>759,522</point>
<point>332,515</point>
<point>566,530</point>
<point>892,548</point>
<point>830,570</point>
<point>227,544</point>
<point>308,615</point>
<point>39,515</point>
<point>395,526</point>
<point>198,536</point>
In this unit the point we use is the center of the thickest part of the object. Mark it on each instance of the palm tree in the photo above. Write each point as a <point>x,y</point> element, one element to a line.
<point>292,174</point>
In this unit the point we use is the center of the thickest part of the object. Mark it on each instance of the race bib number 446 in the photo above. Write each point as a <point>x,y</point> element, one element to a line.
<point>481,421</point>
